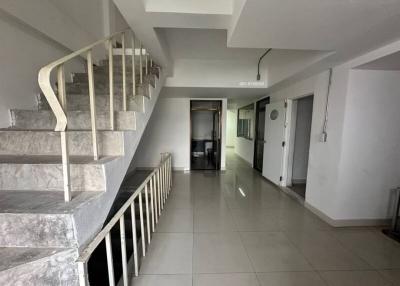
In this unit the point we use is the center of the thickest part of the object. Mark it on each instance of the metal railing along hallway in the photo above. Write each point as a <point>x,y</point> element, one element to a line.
<point>153,192</point>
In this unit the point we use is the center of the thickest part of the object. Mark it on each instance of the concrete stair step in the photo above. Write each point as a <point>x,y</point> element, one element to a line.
<point>38,266</point>
<point>77,120</point>
<point>44,173</point>
<point>42,142</point>
<point>80,102</point>
<point>101,76</point>
<point>40,218</point>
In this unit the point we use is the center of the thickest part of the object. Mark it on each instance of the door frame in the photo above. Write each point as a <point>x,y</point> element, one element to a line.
<point>258,103</point>
<point>290,135</point>
<point>218,167</point>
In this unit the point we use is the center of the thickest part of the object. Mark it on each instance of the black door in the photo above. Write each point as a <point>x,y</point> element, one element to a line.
<point>259,136</point>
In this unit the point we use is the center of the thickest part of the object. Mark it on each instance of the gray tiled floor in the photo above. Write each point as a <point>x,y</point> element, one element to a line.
<point>211,233</point>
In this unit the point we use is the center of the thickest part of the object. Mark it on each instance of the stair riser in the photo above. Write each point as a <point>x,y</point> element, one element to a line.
<point>77,120</point>
<point>37,230</point>
<point>58,269</point>
<point>104,78</point>
<point>48,143</point>
<point>79,102</point>
<point>49,177</point>
<point>103,70</point>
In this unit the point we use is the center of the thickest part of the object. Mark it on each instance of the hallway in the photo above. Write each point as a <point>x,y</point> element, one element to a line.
<point>234,228</point>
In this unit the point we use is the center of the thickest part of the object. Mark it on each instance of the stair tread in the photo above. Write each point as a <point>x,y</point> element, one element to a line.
<point>49,159</point>
<point>11,257</point>
<point>43,202</point>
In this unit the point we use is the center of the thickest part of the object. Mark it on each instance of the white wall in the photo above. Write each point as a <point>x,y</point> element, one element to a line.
<point>22,54</point>
<point>169,131</point>
<point>302,139</point>
<point>369,166</point>
<point>245,149</point>
<point>202,125</point>
<point>350,175</point>
<point>231,127</point>
<point>36,33</point>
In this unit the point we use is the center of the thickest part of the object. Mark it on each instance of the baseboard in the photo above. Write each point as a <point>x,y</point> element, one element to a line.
<point>347,222</point>
<point>299,181</point>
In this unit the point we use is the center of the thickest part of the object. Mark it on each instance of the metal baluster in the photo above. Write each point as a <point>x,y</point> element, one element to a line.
<point>152,203</point>
<point>110,264</point>
<point>123,74</point>
<point>134,238</point>
<point>141,63</point>
<point>133,66</point>
<point>123,250</point>
<point>63,134</point>
<point>147,63</point>
<point>83,273</point>
<point>142,232</point>
<point>155,196</point>
<point>111,81</point>
<point>147,212</point>
<point>170,172</point>
<point>92,104</point>
<point>159,190</point>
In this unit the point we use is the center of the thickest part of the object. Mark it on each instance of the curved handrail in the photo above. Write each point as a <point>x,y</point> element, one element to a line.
<point>47,89</point>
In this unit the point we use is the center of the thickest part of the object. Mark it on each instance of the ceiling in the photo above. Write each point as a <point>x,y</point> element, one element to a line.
<point>207,44</point>
<point>307,36</point>
<point>390,63</point>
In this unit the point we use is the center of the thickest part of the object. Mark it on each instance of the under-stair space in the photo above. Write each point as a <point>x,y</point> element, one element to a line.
<point>41,233</point>
<point>97,264</point>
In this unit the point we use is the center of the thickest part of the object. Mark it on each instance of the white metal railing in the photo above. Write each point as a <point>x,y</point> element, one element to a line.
<point>59,105</point>
<point>157,186</point>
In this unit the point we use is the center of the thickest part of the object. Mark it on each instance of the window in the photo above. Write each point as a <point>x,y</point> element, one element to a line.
<point>245,122</point>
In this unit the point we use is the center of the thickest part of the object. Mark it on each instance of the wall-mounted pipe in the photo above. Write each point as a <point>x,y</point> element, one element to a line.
<point>259,62</point>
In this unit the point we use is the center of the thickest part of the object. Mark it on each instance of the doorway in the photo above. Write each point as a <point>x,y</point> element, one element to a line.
<point>300,135</point>
<point>259,136</point>
<point>205,120</point>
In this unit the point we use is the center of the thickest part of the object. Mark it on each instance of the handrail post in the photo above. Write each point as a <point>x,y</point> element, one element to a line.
<point>133,66</point>
<point>111,81</point>
<point>123,73</point>
<point>92,104</point>
<point>147,63</point>
<point>63,135</point>
<point>110,264</point>
<point>141,63</point>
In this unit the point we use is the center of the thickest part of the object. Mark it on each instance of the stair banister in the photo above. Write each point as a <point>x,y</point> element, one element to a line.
<point>159,193</point>
<point>59,105</point>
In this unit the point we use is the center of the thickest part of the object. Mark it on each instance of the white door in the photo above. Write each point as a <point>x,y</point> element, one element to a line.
<point>274,137</point>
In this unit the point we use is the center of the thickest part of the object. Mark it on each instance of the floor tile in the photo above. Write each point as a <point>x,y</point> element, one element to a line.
<point>392,275</point>
<point>164,280</point>
<point>354,278</point>
<point>219,253</point>
<point>169,253</point>
<point>325,252</point>
<point>374,247</point>
<point>255,220</point>
<point>213,221</point>
<point>290,279</point>
<point>176,220</point>
<point>272,251</point>
<point>230,279</point>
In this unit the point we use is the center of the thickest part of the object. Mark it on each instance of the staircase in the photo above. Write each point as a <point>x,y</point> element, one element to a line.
<point>41,234</point>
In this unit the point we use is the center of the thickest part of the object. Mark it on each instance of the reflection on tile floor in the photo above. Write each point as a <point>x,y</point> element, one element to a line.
<point>235,228</point>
